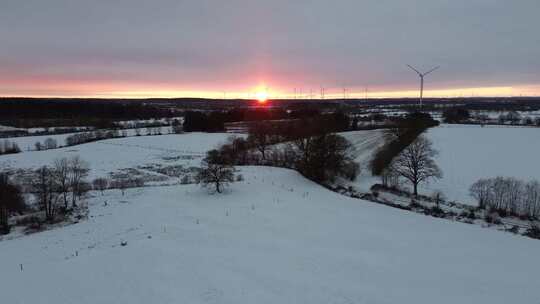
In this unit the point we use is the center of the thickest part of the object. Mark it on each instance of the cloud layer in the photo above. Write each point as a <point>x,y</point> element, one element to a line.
<point>67,46</point>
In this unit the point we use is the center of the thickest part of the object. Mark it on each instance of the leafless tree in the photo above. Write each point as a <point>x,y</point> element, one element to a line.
<point>389,176</point>
<point>78,172</point>
<point>121,183</point>
<point>438,197</point>
<point>62,174</point>
<point>508,195</point>
<point>481,191</point>
<point>38,146</point>
<point>532,198</point>
<point>416,164</point>
<point>101,184</point>
<point>11,200</point>
<point>46,189</point>
<point>215,172</point>
<point>261,137</point>
<point>7,147</point>
<point>50,143</point>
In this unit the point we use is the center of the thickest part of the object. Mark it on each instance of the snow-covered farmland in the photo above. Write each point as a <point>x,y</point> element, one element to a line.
<point>274,238</point>
<point>111,155</point>
<point>366,144</point>
<point>467,153</point>
<point>27,143</point>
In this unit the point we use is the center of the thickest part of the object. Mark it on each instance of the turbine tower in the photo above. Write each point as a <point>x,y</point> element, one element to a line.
<point>422,75</point>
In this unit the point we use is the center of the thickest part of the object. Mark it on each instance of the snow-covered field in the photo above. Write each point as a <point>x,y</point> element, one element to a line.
<point>123,153</point>
<point>365,143</point>
<point>468,153</point>
<point>27,143</point>
<point>273,238</point>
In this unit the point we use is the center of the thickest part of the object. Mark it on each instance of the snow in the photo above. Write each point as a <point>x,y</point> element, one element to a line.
<point>110,155</point>
<point>284,240</point>
<point>366,144</point>
<point>9,128</point>
<point>468,153</point>
<point>27,143</point>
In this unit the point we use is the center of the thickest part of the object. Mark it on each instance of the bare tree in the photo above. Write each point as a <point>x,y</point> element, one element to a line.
<point>62,174</point>
<point>11,200</point>
<point>101,184</point>
<point>121,183</point>
<point>481,191</point>
<point>215,172</point>
<point>415,163</point>
<point>532,198</point>
<point>508,195</point>
<point>8,147</point>
<point>261,137</point>
<point>78,172</point>
<point>38,146</point>
<point>50,143</point>
<point>438,197</point>
<point>46,189</point>
<point>389,177</point>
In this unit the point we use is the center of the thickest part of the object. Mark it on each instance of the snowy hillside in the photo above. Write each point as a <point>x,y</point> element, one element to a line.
<point>467,153</point>
<point>274,238</point>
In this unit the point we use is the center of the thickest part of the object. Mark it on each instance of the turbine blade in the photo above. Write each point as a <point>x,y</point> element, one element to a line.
<point>419,74</point>
<point>435,68</point>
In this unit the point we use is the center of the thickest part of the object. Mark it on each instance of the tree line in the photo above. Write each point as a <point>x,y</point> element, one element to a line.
<point>309,146</point>
<point>9,147</point>
<point>24,112</point>
<point>57,190</point>
<point>214,121</point>
<point>508,196</point>
<point>462,115</point>
<point>399,138</point>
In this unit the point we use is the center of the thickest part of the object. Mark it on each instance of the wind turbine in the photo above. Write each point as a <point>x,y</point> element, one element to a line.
<point>422,75</point>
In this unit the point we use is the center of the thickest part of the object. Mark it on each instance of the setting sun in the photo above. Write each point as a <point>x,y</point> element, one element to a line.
<point>262,96</point>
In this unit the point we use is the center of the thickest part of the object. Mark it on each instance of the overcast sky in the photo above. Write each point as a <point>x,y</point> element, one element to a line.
<point>100,47</point>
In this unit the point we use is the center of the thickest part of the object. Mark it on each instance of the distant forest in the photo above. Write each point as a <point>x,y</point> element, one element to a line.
<point>26,113</point>
<point>101,113</point>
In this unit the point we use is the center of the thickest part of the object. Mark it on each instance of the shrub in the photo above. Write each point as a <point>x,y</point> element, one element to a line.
<point>471,215</point>
<point>437,211</point>
<point>514,229</point>
<point>533,231</point>
<point>184,180</point>
<point>415,205</point>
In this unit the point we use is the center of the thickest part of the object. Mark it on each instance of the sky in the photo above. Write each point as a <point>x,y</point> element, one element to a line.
<point>240,48</point>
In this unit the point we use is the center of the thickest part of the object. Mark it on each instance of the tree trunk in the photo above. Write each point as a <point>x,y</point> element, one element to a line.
<point>4,226</point>
<point>65,200</point>
<point>415,189</point>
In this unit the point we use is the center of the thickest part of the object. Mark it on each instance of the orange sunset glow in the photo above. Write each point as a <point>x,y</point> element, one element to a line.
<point>126,90</point>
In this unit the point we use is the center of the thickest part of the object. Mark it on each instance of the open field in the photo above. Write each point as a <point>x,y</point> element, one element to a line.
<point>274,238</point>
<point>27,143</point>
<point>365,144</point>
<point>111,155</point>
<point>468,153</point>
